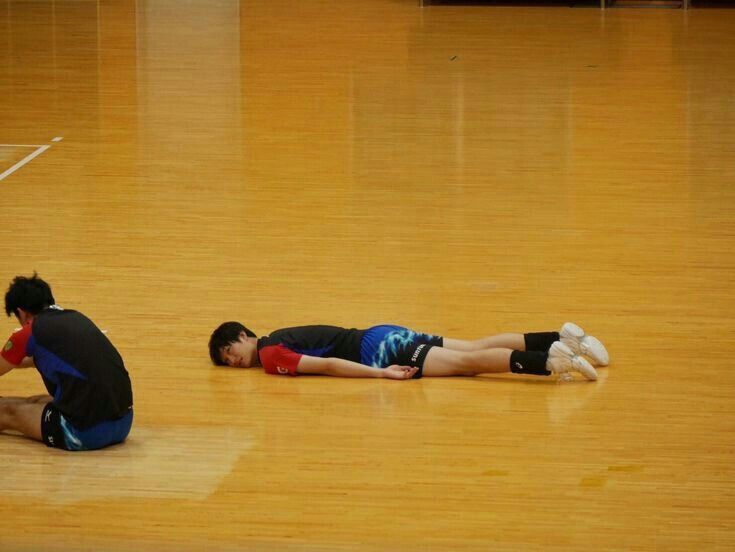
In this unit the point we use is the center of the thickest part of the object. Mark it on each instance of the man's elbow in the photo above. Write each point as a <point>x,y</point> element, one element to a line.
<point>331,367</point>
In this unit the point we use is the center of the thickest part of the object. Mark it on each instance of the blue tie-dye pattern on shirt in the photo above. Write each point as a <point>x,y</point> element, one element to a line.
<point>385,345</point>
<point>391,347</point>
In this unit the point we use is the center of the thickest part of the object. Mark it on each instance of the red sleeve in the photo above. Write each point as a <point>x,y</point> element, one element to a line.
<point>14,350</point>
<point>278,359</point>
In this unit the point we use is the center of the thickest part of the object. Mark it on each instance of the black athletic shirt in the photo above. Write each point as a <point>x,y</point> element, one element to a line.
<point>81,369</point>
<point>281,351</point>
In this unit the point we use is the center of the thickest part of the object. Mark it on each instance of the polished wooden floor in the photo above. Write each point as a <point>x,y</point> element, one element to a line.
<point>460,170</point>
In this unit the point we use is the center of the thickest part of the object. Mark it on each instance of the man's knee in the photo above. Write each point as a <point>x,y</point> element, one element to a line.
<point>8,413</point>
<point>40,399</point>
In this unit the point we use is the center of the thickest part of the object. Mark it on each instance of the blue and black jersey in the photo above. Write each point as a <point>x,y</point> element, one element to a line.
<point>280,351</point>
<point>81,369</point>
<point>379,346</point>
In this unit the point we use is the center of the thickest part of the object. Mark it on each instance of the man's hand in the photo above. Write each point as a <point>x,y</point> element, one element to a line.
<point>395,371</point>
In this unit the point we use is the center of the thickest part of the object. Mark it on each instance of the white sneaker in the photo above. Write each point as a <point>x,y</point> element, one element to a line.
<point>573,337</point>
<point>563,360</point>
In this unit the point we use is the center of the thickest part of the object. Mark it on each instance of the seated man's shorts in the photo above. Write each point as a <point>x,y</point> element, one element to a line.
<point>383,346</point>
<point>58,432</point>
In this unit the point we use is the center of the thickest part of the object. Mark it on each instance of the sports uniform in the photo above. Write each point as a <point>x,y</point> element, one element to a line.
<point>92,403</point>
<point>379,347</point>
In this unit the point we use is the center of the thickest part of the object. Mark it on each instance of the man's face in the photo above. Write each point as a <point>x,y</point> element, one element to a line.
<point>241,353</point>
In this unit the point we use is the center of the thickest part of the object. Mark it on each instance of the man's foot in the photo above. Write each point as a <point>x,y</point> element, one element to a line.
<point>563,360</point>
<point>573,337</point>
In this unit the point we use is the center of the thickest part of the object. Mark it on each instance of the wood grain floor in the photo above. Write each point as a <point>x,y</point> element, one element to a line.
<point>459,170</point>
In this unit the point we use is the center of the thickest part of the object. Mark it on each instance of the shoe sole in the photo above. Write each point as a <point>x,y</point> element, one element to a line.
<point>578,364</point>
<point>584,368</point>
<point>573,337</point>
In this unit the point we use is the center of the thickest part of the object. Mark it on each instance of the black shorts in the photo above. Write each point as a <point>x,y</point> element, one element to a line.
<point>383,346</point>
<point>58,432</point>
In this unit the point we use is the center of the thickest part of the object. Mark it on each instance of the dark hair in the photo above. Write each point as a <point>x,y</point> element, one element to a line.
<point>30,294</point>
<point>227,333</point>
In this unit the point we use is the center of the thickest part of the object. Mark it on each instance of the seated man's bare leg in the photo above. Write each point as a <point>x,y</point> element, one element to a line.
<point>22,416</point>
<point>44,399</point>
<point>443,361</point>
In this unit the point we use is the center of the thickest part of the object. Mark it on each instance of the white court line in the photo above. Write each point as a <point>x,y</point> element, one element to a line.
<point>21,146</point>
<point>25,160</point>
<point>57,139</point>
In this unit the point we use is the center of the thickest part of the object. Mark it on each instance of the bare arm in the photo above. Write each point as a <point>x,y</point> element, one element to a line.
<point>14,351</point>
<point>348,369</point>
<point>5,366</point>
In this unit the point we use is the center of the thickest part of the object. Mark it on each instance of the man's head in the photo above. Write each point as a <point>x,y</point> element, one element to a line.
<point>26,297</point>
<point>232,344</point>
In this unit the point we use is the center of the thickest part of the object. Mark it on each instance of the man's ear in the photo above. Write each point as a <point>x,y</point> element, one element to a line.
<point>23,316</point>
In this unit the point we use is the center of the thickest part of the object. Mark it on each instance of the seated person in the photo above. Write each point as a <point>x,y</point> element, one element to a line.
<point>90,401</point>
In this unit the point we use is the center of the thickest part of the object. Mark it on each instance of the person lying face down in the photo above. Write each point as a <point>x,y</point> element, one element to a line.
<point>395,352</point>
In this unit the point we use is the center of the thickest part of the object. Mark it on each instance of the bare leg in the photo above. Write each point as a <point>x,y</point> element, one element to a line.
<point>515,341</point>
<point>43,399</point>
<point>22,415</point>
<point>441,361</point>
